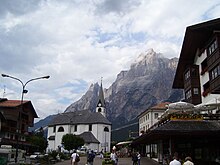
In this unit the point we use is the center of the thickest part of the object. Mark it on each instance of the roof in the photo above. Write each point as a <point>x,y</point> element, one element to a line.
<point>89,137</point>
<point>5,103</point>
<point>196,36</point>
<point>187,128</point>
<point>158,107</point>
<point>101,96</point>
<point>11,103</point>
<point>80,117</point>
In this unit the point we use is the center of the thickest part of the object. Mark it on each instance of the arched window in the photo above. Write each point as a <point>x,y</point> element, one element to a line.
<point>106,129</point>
<point>60,129</point>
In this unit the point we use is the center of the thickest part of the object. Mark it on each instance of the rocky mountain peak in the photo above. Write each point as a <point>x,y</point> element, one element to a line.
<point>147,82</point>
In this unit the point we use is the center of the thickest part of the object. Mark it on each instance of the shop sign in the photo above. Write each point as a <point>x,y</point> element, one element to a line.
<point>186,117</point>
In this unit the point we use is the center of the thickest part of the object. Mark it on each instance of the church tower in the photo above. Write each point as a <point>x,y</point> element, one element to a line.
<point>101,102</point>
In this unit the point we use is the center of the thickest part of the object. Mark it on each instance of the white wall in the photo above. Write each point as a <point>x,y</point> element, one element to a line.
<point>97,131</point>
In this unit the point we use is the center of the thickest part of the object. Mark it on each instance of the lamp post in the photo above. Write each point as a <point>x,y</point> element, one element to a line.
<point>22,97</point>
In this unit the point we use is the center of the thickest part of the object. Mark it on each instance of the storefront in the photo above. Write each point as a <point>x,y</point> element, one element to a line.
<point>192,136</point>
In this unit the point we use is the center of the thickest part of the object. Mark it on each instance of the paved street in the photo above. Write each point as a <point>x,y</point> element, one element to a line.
<point>122,161</point>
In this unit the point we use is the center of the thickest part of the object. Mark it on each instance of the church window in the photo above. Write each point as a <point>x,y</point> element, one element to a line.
<point>90,127</point>
<point>156,115</point>
<point>99,109</point>
<point>60,129</point>
<point>54,128</point>
<point>75,128</point>
<point>106,129</point>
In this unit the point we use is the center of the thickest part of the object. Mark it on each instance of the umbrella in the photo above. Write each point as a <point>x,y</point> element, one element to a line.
<point>180,105</point>
<point>205,107</point>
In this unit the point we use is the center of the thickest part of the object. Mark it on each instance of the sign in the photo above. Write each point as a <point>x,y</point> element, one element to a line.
<point>186,117</point>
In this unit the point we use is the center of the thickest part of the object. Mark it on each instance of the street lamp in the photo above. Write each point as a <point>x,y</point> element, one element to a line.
<point>22,97</point>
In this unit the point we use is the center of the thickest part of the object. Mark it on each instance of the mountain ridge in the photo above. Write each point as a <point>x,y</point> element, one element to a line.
<point>146,83</point>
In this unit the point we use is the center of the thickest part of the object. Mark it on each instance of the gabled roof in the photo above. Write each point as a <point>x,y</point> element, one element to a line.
<point>89,137</point>
<point>196,36</point>
<point>80,117</point>
<point>5,103</point>
<point>11,103</point>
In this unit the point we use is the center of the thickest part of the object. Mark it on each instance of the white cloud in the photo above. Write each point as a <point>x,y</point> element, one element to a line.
<point>77,42</point>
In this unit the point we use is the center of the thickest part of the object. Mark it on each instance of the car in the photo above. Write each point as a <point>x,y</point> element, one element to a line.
<point>36,155</point>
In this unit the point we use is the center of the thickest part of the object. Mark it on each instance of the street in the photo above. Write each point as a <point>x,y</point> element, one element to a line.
<point>122,161</point>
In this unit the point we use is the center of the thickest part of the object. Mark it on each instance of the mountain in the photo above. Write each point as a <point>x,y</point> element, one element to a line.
<point>147,82</point>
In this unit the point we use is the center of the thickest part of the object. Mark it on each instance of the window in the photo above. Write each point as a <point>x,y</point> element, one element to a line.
<point>187,75</point>
<point>215,72</point>
<point>90,127</point>
<point>156,115</point>
<point>204,66</point>
<point>75,128</point>
<point>195,91</point>
<point>188,94</point>
<point>60,129</point>
<point>212,47</point>
<point>54,128</point>
<point>206,88</point>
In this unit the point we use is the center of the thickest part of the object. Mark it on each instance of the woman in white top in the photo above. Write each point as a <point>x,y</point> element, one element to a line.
<point>73,158</point>
<point>114,157</point>
<point>188,161</point>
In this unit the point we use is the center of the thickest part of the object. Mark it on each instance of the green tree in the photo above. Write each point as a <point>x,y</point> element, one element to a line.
<point>38,141</point>
<point>71,141</point>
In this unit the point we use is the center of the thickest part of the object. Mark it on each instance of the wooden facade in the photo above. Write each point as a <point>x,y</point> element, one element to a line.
<point>18,117</point>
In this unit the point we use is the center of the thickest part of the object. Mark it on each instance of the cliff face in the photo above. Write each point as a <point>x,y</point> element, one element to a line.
<point>147,82</point>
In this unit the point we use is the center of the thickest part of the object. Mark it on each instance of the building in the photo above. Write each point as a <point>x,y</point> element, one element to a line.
<point>149,117</point>
<point>193,133</point>
<point>93,127</point>
<point>198,70</point>
<point>15,119</point>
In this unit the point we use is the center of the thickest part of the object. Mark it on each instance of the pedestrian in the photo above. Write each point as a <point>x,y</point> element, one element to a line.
<point>114,157</point>
<point>101,154</point>
<point>90,157</point>
<point>188,161</point>
<point>139,158</point>
<point>135,158</point>
<point>175,160</point>
<point>75,158</point>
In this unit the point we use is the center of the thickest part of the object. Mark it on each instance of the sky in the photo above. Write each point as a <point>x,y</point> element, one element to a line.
<point>76,42</point>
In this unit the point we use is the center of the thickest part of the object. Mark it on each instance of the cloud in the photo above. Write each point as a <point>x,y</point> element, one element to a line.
<point>77,42</point>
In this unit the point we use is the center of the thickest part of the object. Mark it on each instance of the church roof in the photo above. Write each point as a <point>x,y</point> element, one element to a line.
<point>101,96</point>
<point>80,117</point>
<point>89,137</point>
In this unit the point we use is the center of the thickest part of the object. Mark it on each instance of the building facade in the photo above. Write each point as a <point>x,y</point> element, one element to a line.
<point>93,127</point>
<point>149,117</point>
<point>192,133</point>
<point>15,119</point>
<point>198,70</point>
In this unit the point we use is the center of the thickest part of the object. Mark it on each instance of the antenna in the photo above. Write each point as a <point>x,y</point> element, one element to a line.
<point>3,96</point>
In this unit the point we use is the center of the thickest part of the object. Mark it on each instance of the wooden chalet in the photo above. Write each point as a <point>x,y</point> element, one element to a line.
<point>15,119</point>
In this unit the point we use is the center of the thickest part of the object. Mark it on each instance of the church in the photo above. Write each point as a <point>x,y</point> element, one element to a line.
<point>93,127</point>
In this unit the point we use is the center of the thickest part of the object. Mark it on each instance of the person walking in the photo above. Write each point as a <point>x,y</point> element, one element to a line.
<point>135,158</point>
<point>101,154</point>
<point>139,158</point>
<point>175,160</point>
<point>188,161</point>
<point>75,158</point>
<point>114,157</point>
<point>90,157</point>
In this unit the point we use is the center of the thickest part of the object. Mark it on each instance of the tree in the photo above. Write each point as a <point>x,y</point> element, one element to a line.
<point>71,141</point>
<point>38,141</point>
